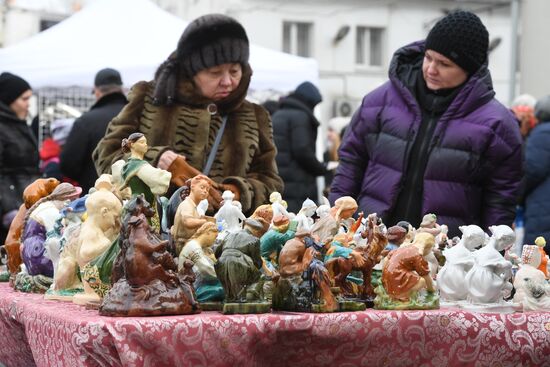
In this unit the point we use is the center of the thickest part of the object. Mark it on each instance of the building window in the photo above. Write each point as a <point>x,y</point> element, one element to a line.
<point>370,46</point>
<point>297,38</point>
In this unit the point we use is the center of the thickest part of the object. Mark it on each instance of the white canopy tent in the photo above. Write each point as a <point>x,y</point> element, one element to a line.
<point>134,37</point>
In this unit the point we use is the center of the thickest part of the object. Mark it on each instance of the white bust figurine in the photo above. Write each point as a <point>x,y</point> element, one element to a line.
<point>229,215</point>
<point>532,291</point>
<point>489,279</point>
<point>304,216</point>
<point>458,261</point>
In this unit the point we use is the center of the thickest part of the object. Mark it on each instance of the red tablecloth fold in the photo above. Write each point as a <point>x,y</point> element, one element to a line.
<point>48,333</point>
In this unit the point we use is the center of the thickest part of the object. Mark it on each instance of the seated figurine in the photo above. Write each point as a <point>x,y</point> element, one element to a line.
<point>35,191</point>
<point>273,240</point>
<point>39,220</point>
<point>458,262</point>
<point>329,225</point>
<point>150,284</point>
<point>532,290</point>
<point>198,250</point>
<point>488,281</point>
<point>404,275</point>
<point>278,204</point>
<point>304,216</point>
<point>238,269</point>
<point>187,219</point>
<point>304,282</point>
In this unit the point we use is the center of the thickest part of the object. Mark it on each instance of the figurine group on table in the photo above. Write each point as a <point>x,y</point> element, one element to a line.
<point>127,251</point>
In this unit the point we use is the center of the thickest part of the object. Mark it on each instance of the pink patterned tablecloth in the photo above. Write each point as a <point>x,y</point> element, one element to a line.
<point>47,333</point>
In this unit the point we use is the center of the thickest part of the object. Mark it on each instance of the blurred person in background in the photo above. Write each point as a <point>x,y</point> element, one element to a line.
<point>295,134</point>
<point>523,108</point>
<point>196,119</point>
<point>335,132</point>
<point>537,177</point>
<point>76,156</point>
<point>18,147</point>
<point>433,139</point>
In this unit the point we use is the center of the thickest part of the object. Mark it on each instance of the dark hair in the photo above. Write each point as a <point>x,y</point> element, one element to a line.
<point>127,142</point>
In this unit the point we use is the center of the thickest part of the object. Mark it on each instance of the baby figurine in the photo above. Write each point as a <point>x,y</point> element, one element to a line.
<point>489,279</point>
<point>532,291</point>
<point>458,261</point>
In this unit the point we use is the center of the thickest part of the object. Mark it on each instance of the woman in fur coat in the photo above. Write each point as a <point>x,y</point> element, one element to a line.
<point>198,95</point>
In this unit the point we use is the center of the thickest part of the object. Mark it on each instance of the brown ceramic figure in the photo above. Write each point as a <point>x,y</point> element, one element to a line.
<point>150,285</point>
<point>187,219</point>
<point>405,273</point>
<point>298,260</point>
<point>35,191</point>
<point>341,267</point>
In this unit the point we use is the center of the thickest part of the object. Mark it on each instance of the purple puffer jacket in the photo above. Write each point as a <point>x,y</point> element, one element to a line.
<point>474,166</point>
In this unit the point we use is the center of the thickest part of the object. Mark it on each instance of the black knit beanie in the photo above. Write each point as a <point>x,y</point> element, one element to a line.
<point>461,37</point>
<point>11,87</point>
<point>210,40</point>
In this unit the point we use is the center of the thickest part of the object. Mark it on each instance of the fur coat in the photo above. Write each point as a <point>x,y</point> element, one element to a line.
<point>246,154</point>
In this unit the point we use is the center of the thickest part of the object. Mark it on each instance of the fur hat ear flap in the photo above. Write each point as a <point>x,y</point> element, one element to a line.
<point>166,82</point>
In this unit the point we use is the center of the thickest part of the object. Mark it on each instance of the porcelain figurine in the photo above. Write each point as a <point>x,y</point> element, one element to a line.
<point>199,250</point>
<point>230,216</point>
<point>238,269</point>
<point>140,176</point>
<point>35,191</point>
<point>543,266</point>
<point>458,262</point>
<point>264,215</point>
<point>278,204</point>
<point>272,242</point>
<point>66,226</point>
<point>532,290</point>
<point>150,284</point>
<point>429,225</point>
<point>187,219</point>
<point>96,236</point>
<point>488,281</point>
<point>304,216</point>
<point>369,256</point>
<point>304,282</point>
<point>39,220</point>
<point>405,275</point>
<point>329,225</point>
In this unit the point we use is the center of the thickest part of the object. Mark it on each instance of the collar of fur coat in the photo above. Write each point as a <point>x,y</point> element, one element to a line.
<point>188,94</point>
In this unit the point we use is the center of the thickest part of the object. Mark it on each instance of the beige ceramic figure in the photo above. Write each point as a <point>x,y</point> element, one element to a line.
<point>187,219</point>
<point>278,204</point>
<point>532,290</point>
<point>97,233</point>
<point>329,225</point>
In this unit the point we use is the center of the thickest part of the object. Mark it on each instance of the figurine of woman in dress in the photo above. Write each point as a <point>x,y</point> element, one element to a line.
<point>142,177</point>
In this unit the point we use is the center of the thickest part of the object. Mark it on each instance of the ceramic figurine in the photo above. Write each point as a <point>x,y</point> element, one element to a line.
<point>304,216</point>
<point>264,215</point>
<point>272,242</point>
<point>532,290</point>
<point>96,236</point>
<point>329,225</point>
<point>140,176</point>
<point>488,281</point>
<point>369,256</point>
<point>541,242</point>
<point>458,262</point>
<point>304,282</point>
<point>429,225</point>
<point>278,204</point>
<point>229,215</point>
<point>405,275</point>
<point>198,250</point>
<point>396,236</point>
<point>187,219</point>
<point>35,191</point>
<point>150,284</point>
<point>66,226</point>
<point>39,220</point>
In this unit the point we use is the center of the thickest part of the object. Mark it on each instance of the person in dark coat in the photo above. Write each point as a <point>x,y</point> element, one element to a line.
<point>537,177</point>
<point>76,157</point>
<point>433,139</point>
<point>18,147</point>
<point>295,133</point>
